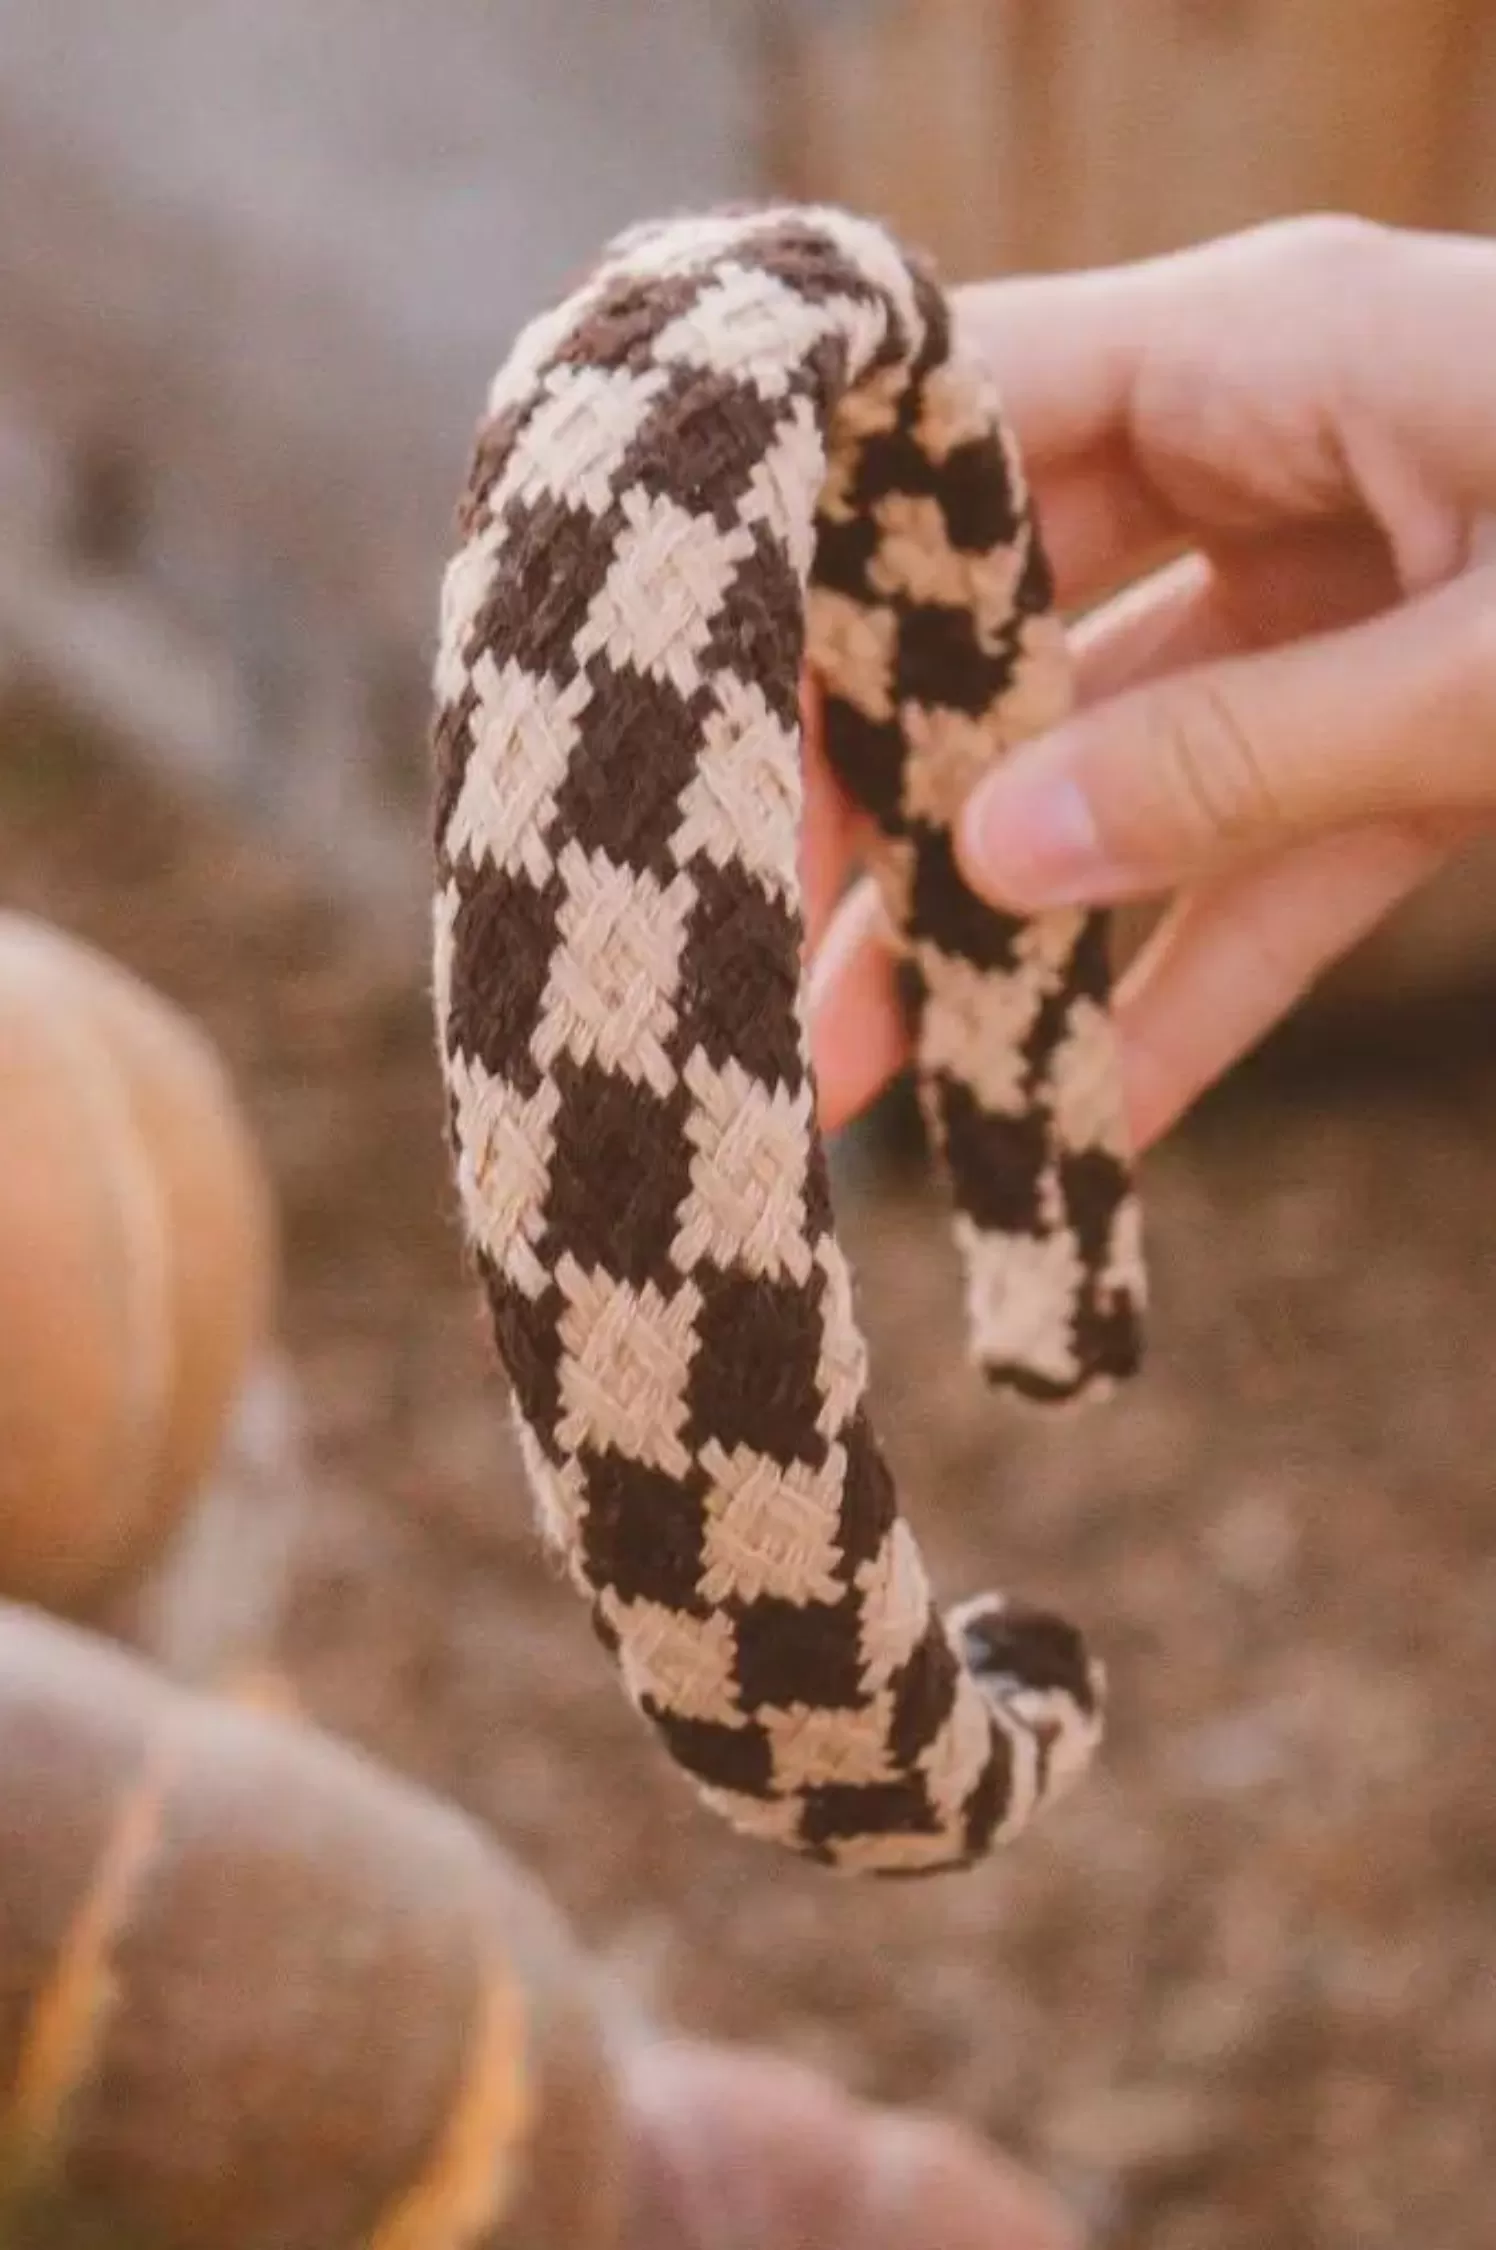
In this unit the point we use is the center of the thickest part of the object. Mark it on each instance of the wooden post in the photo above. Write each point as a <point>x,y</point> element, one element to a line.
<point>1009,134</point>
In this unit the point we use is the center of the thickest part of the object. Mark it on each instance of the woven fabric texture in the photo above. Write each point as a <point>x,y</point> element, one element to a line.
<point>741,444</point>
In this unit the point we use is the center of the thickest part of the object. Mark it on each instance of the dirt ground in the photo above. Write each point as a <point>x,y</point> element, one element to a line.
<point>1240,1990</point>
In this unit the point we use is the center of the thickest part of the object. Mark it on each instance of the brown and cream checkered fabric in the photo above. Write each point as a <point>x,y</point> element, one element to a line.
<point>744,441</point>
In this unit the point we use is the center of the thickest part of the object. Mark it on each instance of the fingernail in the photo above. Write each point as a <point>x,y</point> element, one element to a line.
<point>1029,839</point>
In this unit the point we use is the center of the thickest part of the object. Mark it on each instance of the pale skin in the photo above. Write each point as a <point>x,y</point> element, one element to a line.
<point>1288,725</point>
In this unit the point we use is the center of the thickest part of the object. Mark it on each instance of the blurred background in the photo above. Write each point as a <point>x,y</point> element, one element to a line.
<point>257,261</point>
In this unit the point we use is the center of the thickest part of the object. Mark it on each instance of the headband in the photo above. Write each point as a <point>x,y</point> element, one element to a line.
<point>742,446</point>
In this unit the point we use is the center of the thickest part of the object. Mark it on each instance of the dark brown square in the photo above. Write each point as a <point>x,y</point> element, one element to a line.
<point>553,565</point>
<point>809,260</point>
<point>868,756</point>
<point>529,1346</point>
<point>740,978</point>
<point>451,748</point>
<point>640,745</point>
<point>977,498</point>
<point>869,1501</point>
<point>619,1175</point>
<point>944,909</point>
<point>643,1531</point>
<point>760,630</point>
<point>799,1652</point>
<point>753,1380</point>
<point>839,1809</point>
<point>923,1694</point>
<point>894,461</point>
<point>998,1164</point>
<point>504,938</point>
<point>705,436</point>
<point>502,948</point>
<point>988,1801</point>
<point>941,661</point>
<point>844,553</point>
<point>739,1758</point>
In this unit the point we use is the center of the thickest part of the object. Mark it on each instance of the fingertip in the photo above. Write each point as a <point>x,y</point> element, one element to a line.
<point>1064,350</point>
<point>1152,1101</point>
<point>1028,837</point>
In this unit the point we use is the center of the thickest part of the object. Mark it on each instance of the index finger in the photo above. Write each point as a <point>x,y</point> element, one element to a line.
<point>1101,527</point>
<point>1065,350</point>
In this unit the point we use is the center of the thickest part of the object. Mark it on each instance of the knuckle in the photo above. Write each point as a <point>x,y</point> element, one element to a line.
<point>1329,247</point>
<point>1217,782</point>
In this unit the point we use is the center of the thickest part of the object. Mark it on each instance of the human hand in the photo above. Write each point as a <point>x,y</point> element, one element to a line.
<point>1289,724</point>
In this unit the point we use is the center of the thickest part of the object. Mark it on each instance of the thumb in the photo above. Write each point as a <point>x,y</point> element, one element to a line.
<point>1177,779</point>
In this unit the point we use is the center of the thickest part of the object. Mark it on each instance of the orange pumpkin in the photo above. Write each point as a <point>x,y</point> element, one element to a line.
<point>136,1265</point>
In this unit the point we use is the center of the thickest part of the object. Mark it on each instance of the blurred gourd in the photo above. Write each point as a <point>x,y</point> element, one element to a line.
<point>136,1265</point>
<point>257,1992</point>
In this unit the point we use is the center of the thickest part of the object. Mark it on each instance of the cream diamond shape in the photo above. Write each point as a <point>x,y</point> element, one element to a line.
<point>917,561</point>
<point>466,582</point>
<point>524,731</point>
<point>750,327</point>
<point>974,1026</point>
<point>1085,1090</point>
<point>853,648</point>
<point>895,1607</point>
<point>1021,1295</point>
<point>610,996</point>
<point>506,1141</point>
<point>909,1854</point>
<point>949,753</point>
<point>952,1764</point>
<point>751,1151</point>
<point>812,1747</point>
<point>783,491</point>
<point>771,1529</point>
<point>841,1370</point>
<point>578,436</point>
<point>684,1664</point>
<point>662,597</point>
<point>626,1360</point>
<point>742,803</point>
<point>877,256</point>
